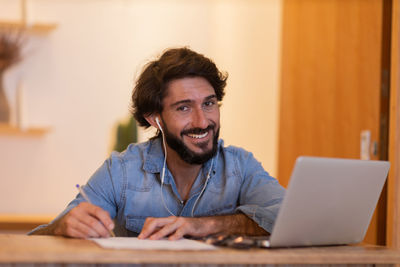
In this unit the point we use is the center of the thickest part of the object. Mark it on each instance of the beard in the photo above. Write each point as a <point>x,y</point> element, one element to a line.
<point>185,153</point>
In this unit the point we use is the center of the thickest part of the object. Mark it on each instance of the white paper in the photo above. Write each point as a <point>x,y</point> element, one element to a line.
<point>146,244</point>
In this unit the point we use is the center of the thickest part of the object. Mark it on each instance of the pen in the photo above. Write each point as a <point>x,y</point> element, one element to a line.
<point>88,200</point>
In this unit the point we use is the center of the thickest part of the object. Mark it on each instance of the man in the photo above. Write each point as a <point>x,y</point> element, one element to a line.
<point>183,182</point>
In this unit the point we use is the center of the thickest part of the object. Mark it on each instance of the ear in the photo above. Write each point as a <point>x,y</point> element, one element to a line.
<point>152,120</point>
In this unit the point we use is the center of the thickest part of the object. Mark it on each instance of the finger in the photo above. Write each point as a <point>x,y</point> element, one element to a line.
<point>71,227</point>
<point>85,214</point>
<point>152,224</point>
<point>75,233</point>
<point>92,226</point>
<point>165,230</point>
<point>103,216</point>
<point>98,213</point>
<point>86,231</point>
<point>178,234</point>
<point>187,226</point>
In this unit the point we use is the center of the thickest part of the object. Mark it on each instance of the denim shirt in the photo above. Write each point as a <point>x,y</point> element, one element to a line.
<point>128,186</point>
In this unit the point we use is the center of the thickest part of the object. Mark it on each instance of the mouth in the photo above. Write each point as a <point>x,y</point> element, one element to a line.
<point>198,136</point>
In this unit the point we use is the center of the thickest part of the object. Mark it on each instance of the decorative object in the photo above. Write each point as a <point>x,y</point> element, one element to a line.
<point>4,107</point>
<point>11,42</point>
<point>126,134</point>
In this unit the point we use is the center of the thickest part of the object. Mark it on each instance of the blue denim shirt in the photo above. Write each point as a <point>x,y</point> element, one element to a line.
<point>128,186</point>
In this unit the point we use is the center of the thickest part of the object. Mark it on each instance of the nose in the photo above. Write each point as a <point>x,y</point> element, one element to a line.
<point>199,119</point>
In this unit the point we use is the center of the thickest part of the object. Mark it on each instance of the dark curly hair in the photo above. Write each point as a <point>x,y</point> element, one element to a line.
<point>175,63</point>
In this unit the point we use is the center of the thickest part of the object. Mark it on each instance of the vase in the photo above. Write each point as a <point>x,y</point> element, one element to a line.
<point>4,106</point>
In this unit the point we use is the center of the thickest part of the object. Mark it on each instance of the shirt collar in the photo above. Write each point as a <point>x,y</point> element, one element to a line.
<point>154,160</point>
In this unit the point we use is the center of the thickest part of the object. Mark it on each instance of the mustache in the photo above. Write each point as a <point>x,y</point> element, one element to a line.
<point>198,130</point>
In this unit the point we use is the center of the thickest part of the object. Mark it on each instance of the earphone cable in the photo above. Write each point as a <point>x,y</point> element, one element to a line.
<point>163,174</point>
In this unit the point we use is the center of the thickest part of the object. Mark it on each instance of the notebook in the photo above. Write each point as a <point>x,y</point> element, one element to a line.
<point>328,201</point>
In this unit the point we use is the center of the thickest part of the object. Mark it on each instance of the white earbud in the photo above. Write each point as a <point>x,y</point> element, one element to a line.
<point>158,124</point>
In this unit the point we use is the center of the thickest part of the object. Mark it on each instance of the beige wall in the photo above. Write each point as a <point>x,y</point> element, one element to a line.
<point>78,81</point>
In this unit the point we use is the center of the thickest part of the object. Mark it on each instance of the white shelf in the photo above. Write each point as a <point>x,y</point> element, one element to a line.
<point>35,28</point>
<point>6,129</point>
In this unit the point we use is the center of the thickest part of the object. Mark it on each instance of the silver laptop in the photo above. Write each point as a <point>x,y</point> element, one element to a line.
<point>328,202</point>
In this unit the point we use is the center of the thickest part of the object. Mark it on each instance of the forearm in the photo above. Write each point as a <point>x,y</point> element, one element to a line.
<point>45,230</point>
<point>235,224</point>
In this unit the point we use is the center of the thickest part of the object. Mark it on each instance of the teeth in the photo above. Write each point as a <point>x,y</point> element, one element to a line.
<point>198,136</point>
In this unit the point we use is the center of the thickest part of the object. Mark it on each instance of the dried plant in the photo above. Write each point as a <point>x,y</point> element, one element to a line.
<point>11,43</point>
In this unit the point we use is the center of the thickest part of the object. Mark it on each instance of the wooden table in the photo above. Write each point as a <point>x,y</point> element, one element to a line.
<point>21,249</point>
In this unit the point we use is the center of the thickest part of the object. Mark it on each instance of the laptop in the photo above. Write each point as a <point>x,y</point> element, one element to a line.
<point>328,202</point>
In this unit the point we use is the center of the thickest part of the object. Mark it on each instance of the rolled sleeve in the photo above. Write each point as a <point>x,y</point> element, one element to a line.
<point>261,195</point>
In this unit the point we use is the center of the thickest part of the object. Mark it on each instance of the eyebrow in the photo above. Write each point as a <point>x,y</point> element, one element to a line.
<point>186,101</point>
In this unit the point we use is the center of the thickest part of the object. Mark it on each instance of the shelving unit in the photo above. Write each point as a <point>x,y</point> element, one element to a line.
<point>20,223</point>
<point>36,28</point>
<point>25,26</point>
<point>6,129</point>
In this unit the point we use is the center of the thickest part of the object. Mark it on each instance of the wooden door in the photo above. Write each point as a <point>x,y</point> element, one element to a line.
<point>393,218</point>
<point>331,85</point>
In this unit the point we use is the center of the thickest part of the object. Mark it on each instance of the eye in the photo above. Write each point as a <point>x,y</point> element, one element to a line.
<point>182,108</point>
<point>209,104</point>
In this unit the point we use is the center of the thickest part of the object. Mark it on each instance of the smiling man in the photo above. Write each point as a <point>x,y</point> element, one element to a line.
<point>182,182</point>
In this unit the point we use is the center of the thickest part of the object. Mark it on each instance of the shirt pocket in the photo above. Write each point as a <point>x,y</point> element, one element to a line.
<point>134,224</point>
<point>229,183</point>
<point>142,184</point>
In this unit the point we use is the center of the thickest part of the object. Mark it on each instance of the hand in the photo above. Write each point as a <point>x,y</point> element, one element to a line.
<point>83,221</point>
<point>176,227</point>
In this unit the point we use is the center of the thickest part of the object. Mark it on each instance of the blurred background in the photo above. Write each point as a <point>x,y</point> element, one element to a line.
<point>76,81</point>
